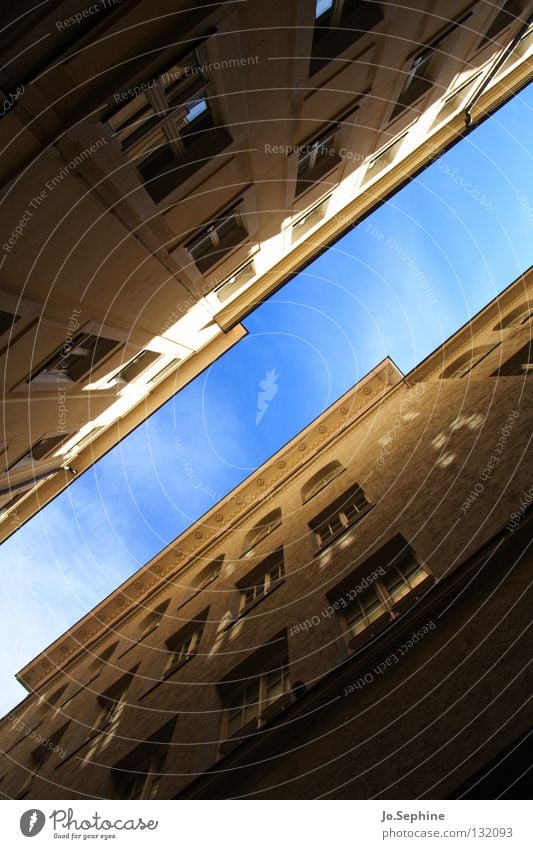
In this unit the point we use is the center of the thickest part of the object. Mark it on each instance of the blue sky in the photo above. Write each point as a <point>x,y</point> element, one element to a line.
<point>400,283</point>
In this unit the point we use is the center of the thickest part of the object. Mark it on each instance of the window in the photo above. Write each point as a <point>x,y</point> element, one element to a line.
<point>101,659</point>
<point>246,706</point>
<point>467,361</point>
<point>139,774</point>
<point>393,573</point>
<point>39,756</point>
<point>383,595</point>
<point>457,97</point>
<point>144,783</point>
<point>112,705</point>
<point>7,320</point>
<point>86,352</point>
<point>309,219</point>
<point>263,528</point>
<point>321,479</point>
<point>169,129</point>
<point>509,13</point>
<point>153,620</point>
<point>338,24</point>
<point>207,574</point>
<point>385,157</point>
<point>218,239</point>
<point>520,315</point>
<point>316,159</point>
<point>424,68</point>
<point>519,365</point>
<point>184,644</point>
<point>183,649</point>
<point>134,368</point>
<point>342,514</point>
<point>39,451</point>
<point>234,283</point>
<point>262,580</point>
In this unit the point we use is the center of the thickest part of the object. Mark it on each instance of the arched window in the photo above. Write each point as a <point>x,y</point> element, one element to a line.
<point>520,315</point>
<point>99,660</point>
<point>466,362</point>
<point>153,619</point>
<point>321,479</point>
<point>263,528</point>
<point>207,574</point>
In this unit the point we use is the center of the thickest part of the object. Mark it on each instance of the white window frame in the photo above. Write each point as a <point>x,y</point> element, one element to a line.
<point>264,583</point>
<point>344,522</point>
<point>387,602</point>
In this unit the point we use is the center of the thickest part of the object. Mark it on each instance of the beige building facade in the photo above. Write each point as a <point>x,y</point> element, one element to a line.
<point>163,173</point>
<point>348,623</point>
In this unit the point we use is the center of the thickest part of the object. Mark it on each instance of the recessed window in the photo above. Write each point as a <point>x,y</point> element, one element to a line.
<point>519,365</point>
<point>217,240</point>
<point>39,756</point>
<point>345,511</point>
<point>392,577</point>
<point>309,219</point>
<point>263,528</point>
<point>384,158</point>
<point>183,645</point>
<point>233,284</point>
<point>316,158</point>
<point>509,13</point>
<point>39,451</point>
<point>321,479</point>
<point>144,782</point>
<point>514,318</point>
<point>245,707</point>
<point>152,620</point>
<point>73,362</point>
<point>424,67</point>
<point>467,361</point>
<point>208,574</point>
<point>135,367</point>
<point>457,97</point>
<point>338,24</point>
<point>139,774</point>
<point>100,661</point>
<point>261,581</point>
<point>380,599</point>
<point>169,130</point>
<point>7,320</point>
<point>111,704</point>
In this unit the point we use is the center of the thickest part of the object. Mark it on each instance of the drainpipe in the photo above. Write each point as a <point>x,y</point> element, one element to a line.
<point>493,70</point>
